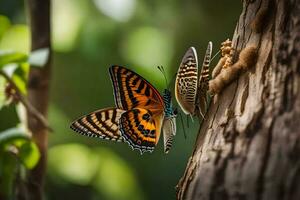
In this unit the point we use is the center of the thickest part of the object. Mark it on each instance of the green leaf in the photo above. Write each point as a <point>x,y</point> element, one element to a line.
<point>20,76</point>
<point>16,38</point>
<point>29,154</point>
<point>13,136</point>
<point>7,57</point>
<point>4,25</point>
<point>39,57</point>
<point>9,117</point>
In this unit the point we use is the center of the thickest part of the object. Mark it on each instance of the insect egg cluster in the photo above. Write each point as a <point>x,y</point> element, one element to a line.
<point>225,71</point>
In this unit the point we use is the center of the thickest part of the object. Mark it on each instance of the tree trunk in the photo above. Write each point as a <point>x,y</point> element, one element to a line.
<point>38,92</point>
<point>248,146</point>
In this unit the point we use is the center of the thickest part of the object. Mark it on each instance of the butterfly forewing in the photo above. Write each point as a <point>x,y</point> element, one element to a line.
<point>140,129</point>
<point>133,91</point>
<point>102,123</point>
<point>187,82</point>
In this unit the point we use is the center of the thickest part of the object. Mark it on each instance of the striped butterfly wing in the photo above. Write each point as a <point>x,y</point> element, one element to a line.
<point>102,123</point>
<point>203,81</point>
<point>186,83</point>
<point>133,91</point>
<point>139,129</point>
<point>141,125</point>
<point>169,131</point>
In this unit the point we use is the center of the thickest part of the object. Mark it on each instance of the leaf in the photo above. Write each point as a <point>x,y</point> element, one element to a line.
<point>20,76</point>
<point>39,57</point>
<point>28,152</point>
<point>12,136</point>
<point>7,57</point>
<point>9,117</point>
<point>16,38</point>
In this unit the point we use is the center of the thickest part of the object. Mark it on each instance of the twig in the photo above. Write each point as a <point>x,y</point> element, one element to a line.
<point>29,107</point>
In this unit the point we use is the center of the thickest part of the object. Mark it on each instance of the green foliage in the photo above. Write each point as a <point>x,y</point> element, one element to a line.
<point>16,38</point>
<point>17,150</point>
<point>26,150</point>
<point>8,57</point>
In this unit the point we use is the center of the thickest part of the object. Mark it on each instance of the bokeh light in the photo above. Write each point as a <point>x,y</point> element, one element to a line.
<point>67,19</point>
<point>119,10</point>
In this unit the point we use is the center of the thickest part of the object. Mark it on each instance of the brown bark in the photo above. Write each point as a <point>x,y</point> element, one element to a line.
<point>38,92</point>
<point>249,145</point>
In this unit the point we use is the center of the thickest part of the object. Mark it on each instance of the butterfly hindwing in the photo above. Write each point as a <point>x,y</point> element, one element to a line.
<point>102,123</point>
<point>203,81</point>
<point>187,81</point>
<point>132,91</point>
<point>169,131</point>
<point>140,128</point>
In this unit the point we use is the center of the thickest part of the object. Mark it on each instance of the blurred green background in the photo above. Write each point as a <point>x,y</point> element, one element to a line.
<point>88,37</point>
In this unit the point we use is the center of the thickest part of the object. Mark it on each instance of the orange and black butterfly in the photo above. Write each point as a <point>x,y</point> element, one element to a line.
<point>138,117</point>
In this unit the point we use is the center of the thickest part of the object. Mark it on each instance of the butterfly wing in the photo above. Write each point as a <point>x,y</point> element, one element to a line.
<point>133,91</point>
<point>187,82</point>
<point>139,128</point>
<point>169,130</point>
<point>102,123</point>
<point>137,118</point>
<point>203,81</point>
<point>169,123</point>
<point>136,95</point>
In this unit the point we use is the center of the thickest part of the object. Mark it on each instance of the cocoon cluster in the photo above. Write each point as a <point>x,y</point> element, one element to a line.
<point>224,73</point>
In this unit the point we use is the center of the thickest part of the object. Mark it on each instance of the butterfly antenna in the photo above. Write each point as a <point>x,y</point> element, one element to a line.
<point>181,119</point>
<point>215,55</point>
<point>162,70</point>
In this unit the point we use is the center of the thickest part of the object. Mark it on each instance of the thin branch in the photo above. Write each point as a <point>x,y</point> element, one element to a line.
<point>29,107</point>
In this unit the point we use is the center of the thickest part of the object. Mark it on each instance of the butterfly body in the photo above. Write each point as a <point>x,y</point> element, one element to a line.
<point>138,117</point>
<point>169,123</point>
<point>190,86</point>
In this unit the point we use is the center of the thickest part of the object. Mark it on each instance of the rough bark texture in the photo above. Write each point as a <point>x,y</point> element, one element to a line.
<point>38,91</point>
<point>249,145</point>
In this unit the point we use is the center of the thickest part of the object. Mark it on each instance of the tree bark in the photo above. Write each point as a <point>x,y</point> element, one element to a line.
<point>248,146</point>
<point>38,92</point>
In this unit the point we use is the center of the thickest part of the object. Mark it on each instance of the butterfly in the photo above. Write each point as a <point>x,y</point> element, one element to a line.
<point>190,87</point>
<point>140,114</point>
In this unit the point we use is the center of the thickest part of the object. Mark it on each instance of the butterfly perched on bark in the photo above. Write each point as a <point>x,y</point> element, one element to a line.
<point>190,86</point>
<point>138,117</point>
